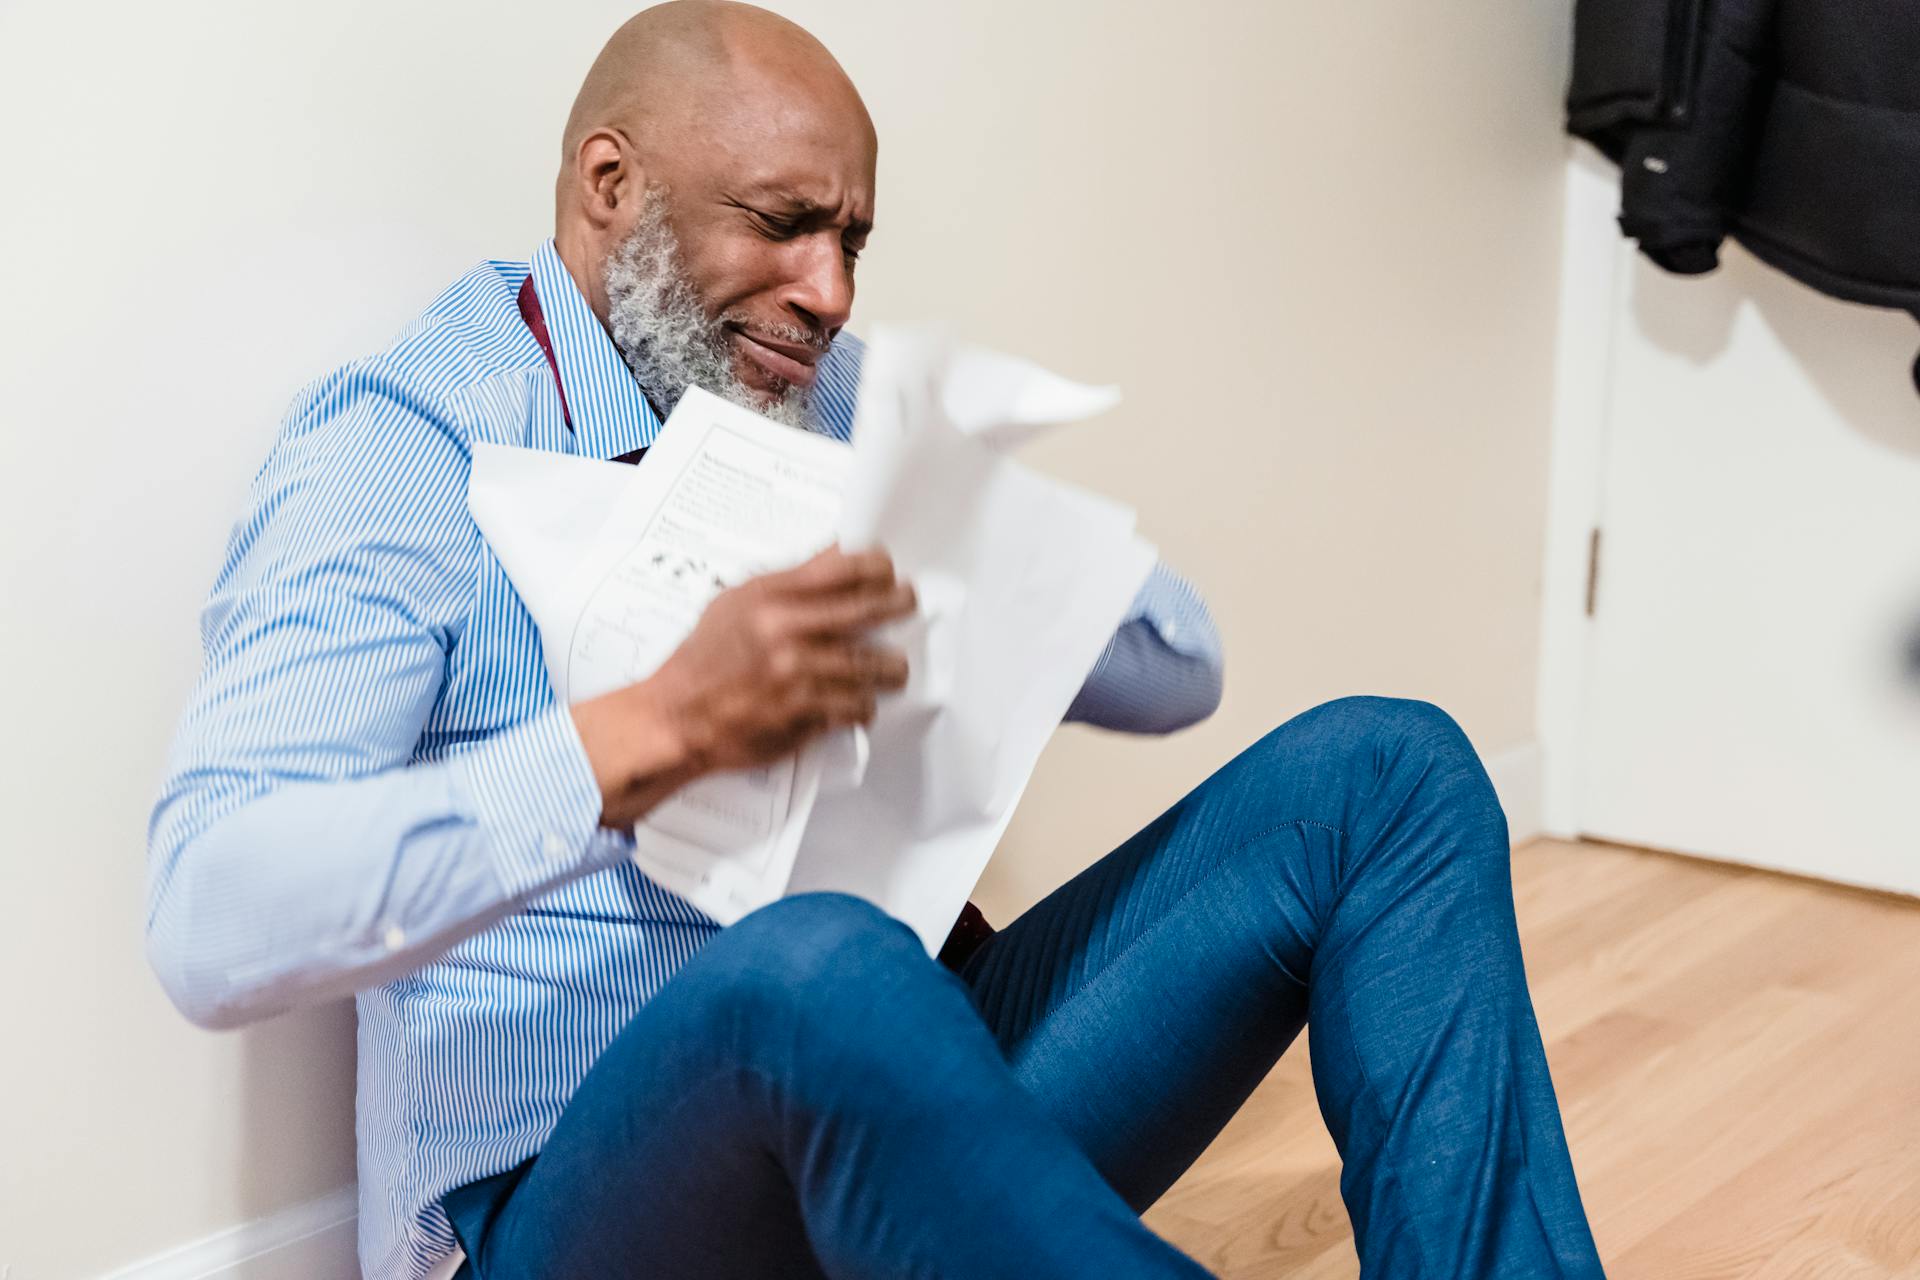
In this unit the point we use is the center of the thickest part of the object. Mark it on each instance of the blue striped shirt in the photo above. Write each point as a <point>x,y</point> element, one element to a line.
<point>372,790</point>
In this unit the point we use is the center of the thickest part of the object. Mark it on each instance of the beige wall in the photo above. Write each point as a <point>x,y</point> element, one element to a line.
<point>1318,246</point>
<point>1316,243</point>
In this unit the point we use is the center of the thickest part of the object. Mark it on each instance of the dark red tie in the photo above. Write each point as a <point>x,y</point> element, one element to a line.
<point>537,324</point>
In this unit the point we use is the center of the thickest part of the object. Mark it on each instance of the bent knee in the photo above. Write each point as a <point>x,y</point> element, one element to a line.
<point>1373,724</point>
<point>1407,722</point>
<point>1376,749</point>
<point>813,954</point>
<point>806,926</point>
<point>820,991</point>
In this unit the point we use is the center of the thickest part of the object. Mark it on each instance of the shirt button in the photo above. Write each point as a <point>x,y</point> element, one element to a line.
<point>556,847</point>
<point>1170,632</point>
<point>395,938</point>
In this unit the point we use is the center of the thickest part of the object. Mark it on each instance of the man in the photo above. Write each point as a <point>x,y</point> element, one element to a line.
<point>567,1071</point>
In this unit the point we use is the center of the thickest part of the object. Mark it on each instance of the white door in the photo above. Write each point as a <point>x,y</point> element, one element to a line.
<point>1752,686</point>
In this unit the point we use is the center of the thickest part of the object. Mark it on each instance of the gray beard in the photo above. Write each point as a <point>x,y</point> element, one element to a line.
<point>662,331</point>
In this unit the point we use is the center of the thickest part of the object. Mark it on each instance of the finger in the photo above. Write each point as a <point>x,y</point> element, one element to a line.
<point>861,665</point>
<point>809,723</point>
<point>846,706</point>
<point>840,615</point>
<point>835,571</point>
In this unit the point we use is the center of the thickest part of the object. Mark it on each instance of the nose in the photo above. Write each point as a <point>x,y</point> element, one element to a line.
<point>820,290</point>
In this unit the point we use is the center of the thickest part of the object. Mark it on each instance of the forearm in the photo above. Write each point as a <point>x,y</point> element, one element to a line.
<point>638,748</point>
<point>314,890</point>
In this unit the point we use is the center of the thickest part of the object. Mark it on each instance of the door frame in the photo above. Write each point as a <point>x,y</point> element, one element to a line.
<point>1595,267</point>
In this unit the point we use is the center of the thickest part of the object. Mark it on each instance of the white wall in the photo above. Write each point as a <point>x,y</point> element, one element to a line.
<point>1317,244</point>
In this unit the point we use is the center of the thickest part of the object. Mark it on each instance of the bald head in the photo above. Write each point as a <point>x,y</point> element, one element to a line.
<point>665,65</point>
<point>747,133</point>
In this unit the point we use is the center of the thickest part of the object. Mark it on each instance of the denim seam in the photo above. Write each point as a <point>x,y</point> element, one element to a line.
<point>1177,903</point>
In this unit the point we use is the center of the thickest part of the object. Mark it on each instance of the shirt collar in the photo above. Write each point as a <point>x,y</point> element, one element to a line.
<point>610,414</point>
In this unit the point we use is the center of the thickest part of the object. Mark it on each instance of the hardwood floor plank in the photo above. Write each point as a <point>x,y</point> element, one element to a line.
<point>1852,1201</point>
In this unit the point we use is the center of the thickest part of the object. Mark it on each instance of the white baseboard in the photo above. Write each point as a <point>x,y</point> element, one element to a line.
<point>311,1241</point>
<point>1519,776</point>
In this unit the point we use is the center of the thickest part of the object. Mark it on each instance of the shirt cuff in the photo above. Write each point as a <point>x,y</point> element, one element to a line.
<point>1170,606</point>
<point>531,788</point>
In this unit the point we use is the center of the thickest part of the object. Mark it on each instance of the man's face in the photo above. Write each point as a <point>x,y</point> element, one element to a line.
<point>765,206</point>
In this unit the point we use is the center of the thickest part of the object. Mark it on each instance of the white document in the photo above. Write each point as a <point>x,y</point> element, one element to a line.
<point>617,562</point>
<point>1022,581</point>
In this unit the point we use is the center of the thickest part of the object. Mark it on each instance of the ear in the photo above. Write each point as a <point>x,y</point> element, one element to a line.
<point>607,178</point>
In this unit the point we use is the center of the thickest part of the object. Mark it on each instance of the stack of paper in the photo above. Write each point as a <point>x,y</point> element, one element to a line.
<point>1021,579</point>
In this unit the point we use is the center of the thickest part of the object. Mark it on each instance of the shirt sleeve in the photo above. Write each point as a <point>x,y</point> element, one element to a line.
<point>296,852</point>
<point>1163,668</point>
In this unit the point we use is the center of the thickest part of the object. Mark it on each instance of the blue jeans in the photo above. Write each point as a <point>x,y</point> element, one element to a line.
<point>811,1095</point>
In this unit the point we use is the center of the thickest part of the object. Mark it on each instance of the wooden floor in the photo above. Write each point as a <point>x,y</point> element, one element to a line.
<point>1738,1061</point>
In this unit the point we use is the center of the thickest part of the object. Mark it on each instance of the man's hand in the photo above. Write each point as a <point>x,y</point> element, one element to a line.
<point>771,664</point>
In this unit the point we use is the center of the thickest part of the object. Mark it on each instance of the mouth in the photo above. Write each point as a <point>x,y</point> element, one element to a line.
<point>793,363</point>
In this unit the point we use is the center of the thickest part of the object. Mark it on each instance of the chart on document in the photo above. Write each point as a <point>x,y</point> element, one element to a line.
<point>727,499</point>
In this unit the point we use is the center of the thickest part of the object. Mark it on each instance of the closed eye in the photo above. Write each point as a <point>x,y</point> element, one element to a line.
<point>774,227</point>
<point>780,227</point>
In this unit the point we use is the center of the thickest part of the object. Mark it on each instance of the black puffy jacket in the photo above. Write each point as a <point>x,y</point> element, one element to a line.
<point>1793,125</point>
